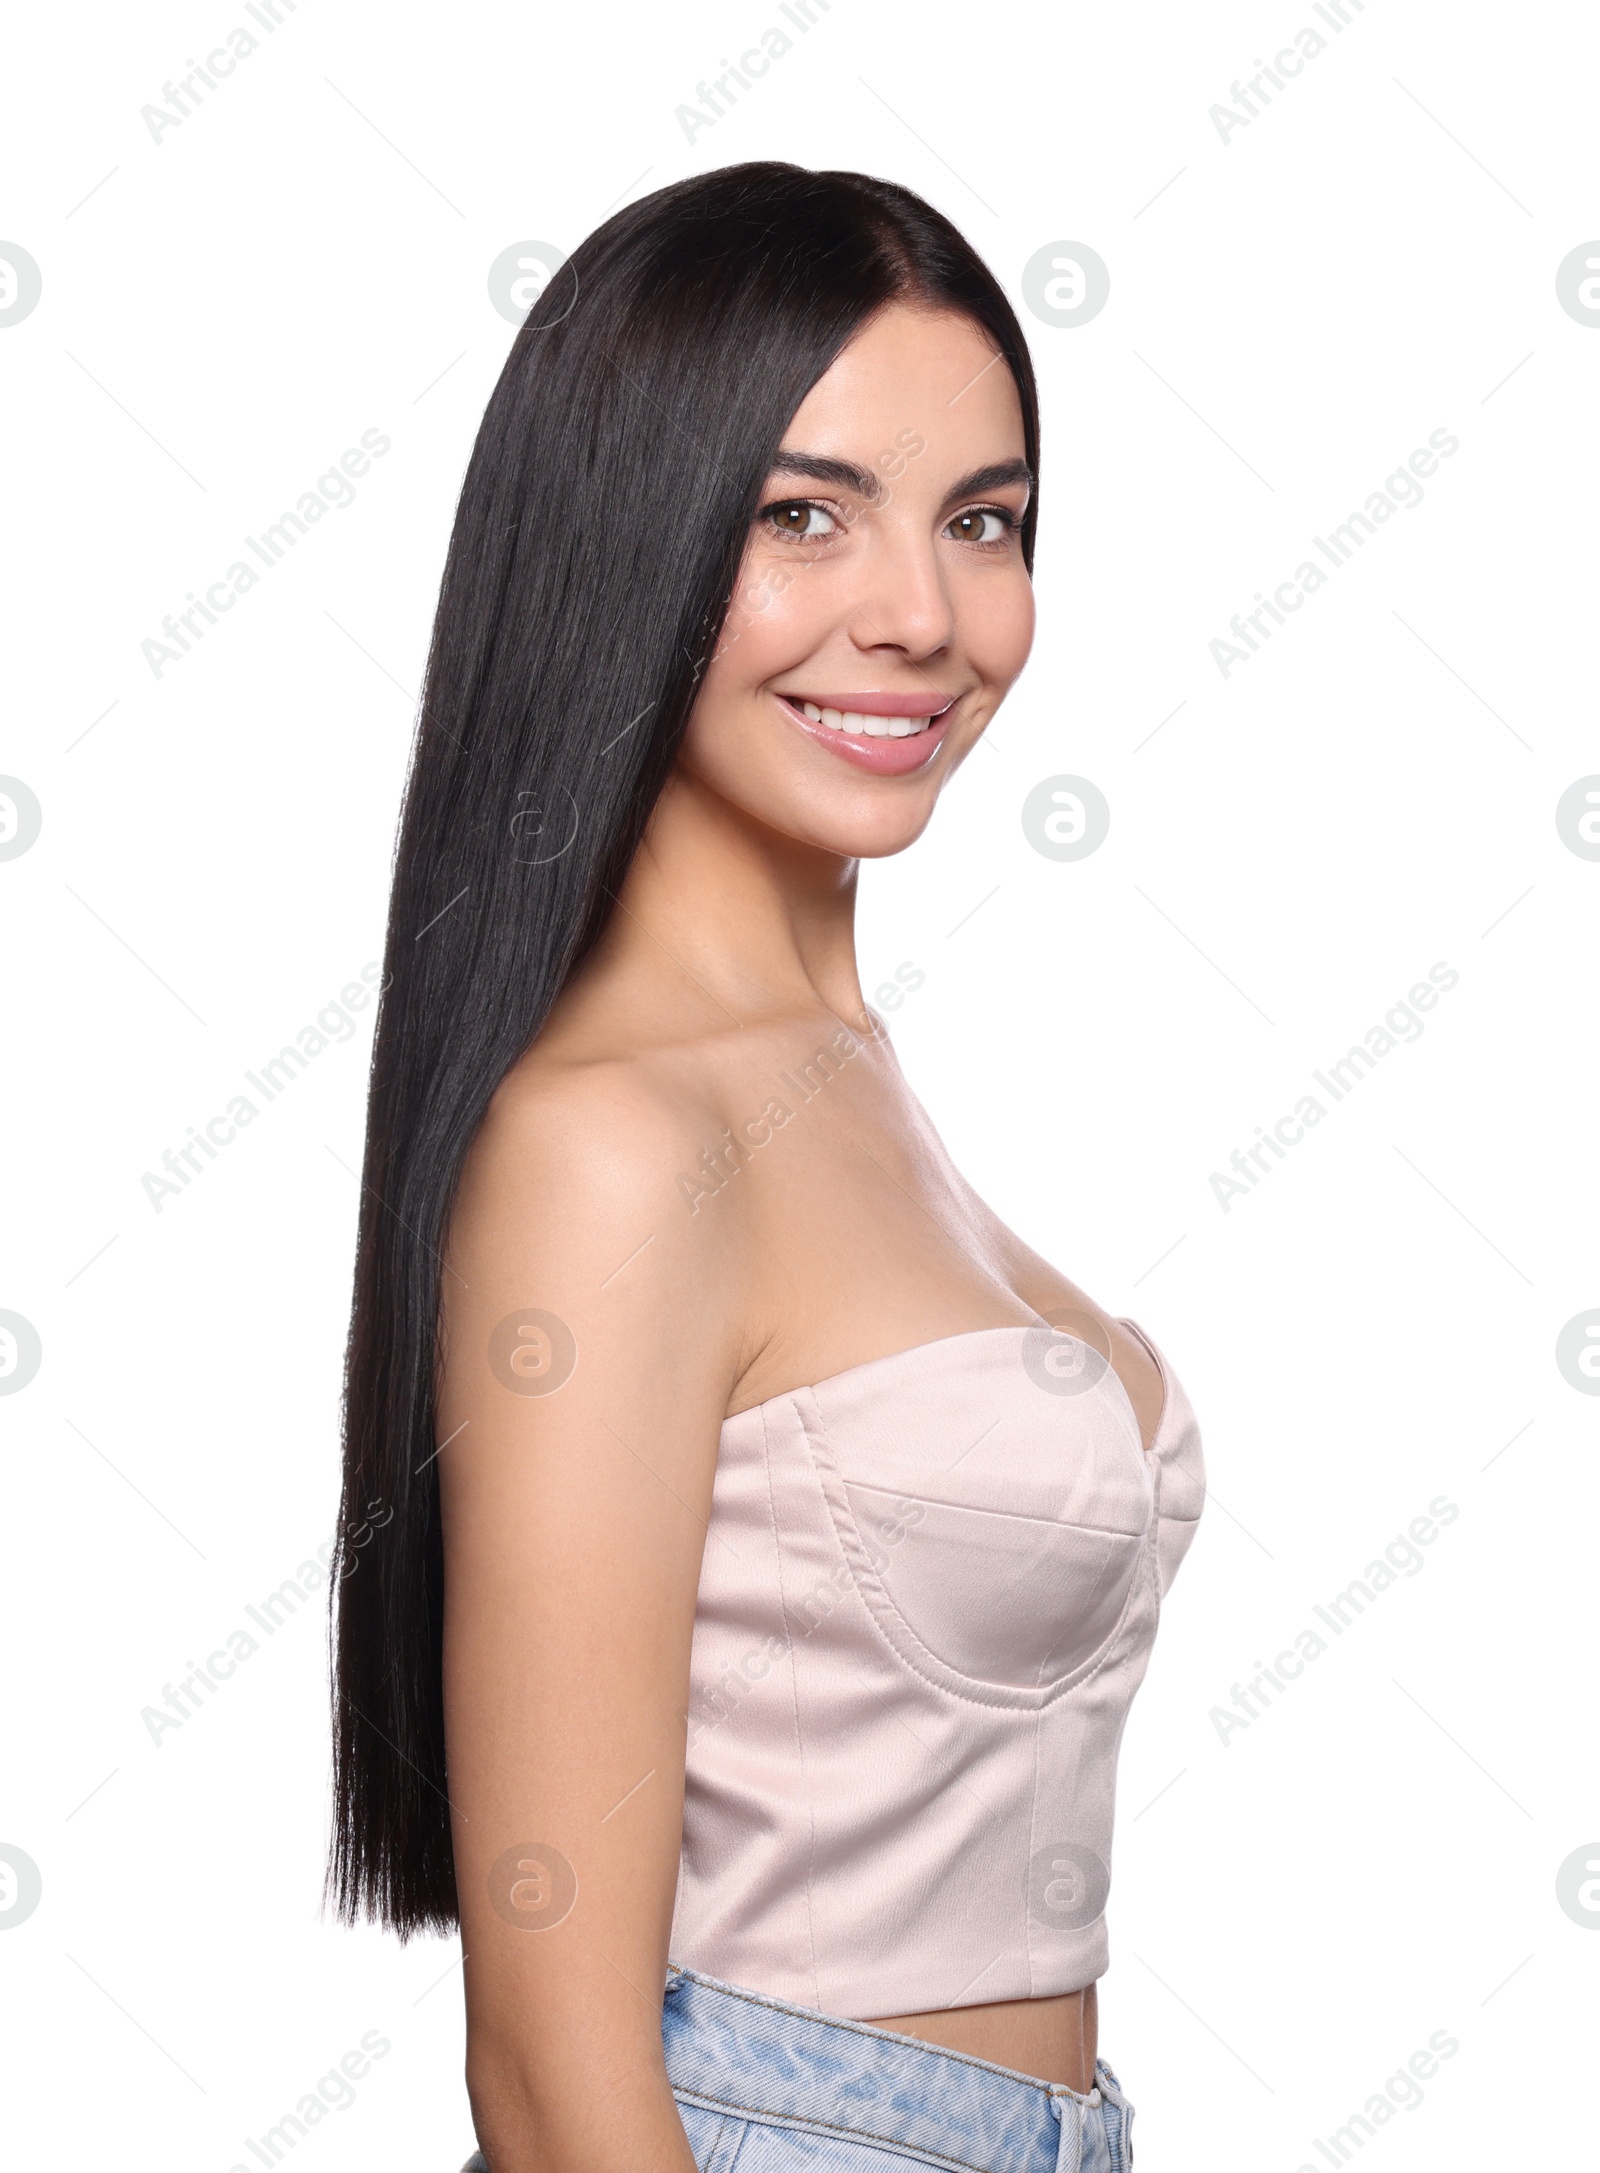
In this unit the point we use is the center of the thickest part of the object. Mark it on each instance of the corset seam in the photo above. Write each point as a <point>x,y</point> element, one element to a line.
<point>886,1618</point>
<point>794,1704</point>
<point>976,1509</point>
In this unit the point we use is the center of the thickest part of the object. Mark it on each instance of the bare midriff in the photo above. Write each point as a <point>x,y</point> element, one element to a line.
<point>1052,2040</point>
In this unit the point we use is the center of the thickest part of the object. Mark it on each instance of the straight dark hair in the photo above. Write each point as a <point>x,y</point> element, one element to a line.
<point>602,522</point>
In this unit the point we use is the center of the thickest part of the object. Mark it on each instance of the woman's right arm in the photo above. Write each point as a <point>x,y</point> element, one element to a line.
<point>575,1488</point>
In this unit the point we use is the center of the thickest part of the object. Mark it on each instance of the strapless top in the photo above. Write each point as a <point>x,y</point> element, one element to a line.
<point>928,1594</point>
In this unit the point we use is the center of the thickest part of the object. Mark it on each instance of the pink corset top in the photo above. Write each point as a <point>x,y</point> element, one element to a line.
<point>928,1595</point>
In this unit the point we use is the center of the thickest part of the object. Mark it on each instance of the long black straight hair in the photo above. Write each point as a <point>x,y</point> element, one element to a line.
<point>600,531</point>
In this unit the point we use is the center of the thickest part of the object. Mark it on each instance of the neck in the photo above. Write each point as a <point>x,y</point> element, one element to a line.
<point>757,922</point>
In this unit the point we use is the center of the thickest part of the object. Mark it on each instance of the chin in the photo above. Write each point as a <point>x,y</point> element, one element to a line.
<point>861,822</point>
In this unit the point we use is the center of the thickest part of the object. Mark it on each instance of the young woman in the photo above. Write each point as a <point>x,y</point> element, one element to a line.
<point>774,1540</point>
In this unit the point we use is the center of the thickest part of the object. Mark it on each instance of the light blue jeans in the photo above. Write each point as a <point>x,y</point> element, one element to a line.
<point>764,2087</point>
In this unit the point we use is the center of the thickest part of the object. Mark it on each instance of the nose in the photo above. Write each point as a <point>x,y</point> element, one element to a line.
<point>903,605</point>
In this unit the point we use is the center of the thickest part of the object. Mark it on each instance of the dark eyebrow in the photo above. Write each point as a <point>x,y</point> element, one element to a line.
<point>845,475</point>
<point>995,477</point>
<point>820,469</point>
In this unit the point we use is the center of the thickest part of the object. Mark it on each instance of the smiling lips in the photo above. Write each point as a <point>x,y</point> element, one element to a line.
<point>889,734</point>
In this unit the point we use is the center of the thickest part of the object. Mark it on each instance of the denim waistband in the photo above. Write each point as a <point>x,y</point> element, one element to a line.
<point>738,2052</point>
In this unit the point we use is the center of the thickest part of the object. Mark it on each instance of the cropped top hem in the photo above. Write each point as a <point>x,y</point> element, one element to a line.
<point>928,1594</point>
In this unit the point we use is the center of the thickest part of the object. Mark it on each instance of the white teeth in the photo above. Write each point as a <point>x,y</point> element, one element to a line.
<point>861,722</point>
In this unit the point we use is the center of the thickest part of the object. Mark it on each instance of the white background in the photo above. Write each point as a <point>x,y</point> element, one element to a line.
<point>1292,311</point>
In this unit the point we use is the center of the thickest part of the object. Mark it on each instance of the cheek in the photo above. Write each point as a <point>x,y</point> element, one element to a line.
<point>774,618</point>
<point>762,636</point>
<point>997,630</point>
<point>777,618</point>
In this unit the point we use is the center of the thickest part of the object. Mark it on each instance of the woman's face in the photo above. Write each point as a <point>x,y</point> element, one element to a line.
<point>883,585</point>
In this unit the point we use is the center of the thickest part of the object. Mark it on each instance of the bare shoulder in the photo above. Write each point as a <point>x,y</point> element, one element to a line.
<point>610,1130</point>
<point>576,1198</point>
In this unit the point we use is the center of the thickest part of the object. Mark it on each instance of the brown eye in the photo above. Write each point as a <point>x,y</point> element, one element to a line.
<point>799,517</point>
<point>975,528</point>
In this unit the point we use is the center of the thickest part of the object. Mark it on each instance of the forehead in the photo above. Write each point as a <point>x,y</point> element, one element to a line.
<point>912,368</point>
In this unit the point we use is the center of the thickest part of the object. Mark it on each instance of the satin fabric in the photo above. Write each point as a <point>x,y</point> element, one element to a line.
<point>928,1594</point>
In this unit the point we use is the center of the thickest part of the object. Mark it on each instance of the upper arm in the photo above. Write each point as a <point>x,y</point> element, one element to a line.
<point>575,1486</point>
